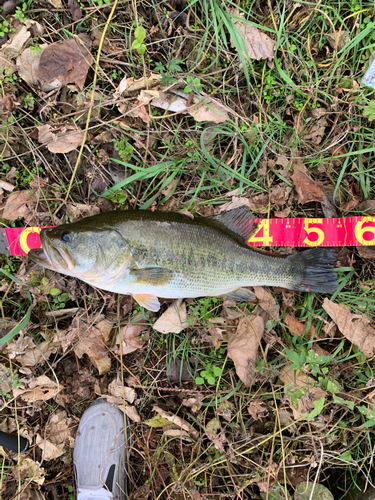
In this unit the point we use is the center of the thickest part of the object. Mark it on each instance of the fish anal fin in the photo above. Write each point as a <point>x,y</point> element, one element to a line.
<point>240,295</point>
<point>157,276</point>
<point>148,301</point>
<point>239,220</point>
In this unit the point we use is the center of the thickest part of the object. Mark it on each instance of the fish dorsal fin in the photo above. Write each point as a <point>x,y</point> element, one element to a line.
<point>239,220</point>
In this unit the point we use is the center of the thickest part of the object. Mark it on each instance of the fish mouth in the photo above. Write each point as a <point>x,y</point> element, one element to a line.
<point>39,256</point>
<point>48,256</point>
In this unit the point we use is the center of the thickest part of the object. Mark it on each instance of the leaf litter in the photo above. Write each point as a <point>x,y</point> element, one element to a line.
<point>143,116</point>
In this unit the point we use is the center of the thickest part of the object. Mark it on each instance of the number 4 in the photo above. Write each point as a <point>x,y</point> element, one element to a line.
<point>262,235</point>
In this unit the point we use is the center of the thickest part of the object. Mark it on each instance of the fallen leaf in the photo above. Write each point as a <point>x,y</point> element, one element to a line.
<point>139,111</point>
<point>67,61</point>
<point>215,433</point>
<point>295,326</point>
<point>194,403</point>
<point>174,318</point>
<point>117,390</point>
<point>267,301</point>
<point>280,194</point>
<point>258,45</point>
<point>77,211</point>
<point>283,214</point>
<point>92,344</point>
<point>7,67</point>
<point>49,450</point>
<point>60,138</point>
<point>7,104</point>
<point>355,327</point>
<point>212,111</point>
<point>128,85</point>
<point>339,39</point>
<point>40,389</point>
<point>27,353</point>
<point>368,207</point>
<point>6,186</point>
<point>243,347</point>
<point>131,338</point>
<point>14,46</point>
<point>295,381</point>
<point>179,370</point>
<point>132,413</point>
<point>29,470</point>
<point>257,409</point>
<point>316,126</point>
<point>157,421</point>
<point>178,421</point>
<point>230,310</point>
<point>141,493</point>
<point>366,252</point>
<point>206,109</point>
<point>27,66</point>
<point>75,10</point>
<point>306,188</point>
<point>20,204</point>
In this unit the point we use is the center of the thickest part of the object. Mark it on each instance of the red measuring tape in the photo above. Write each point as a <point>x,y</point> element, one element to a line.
<point>344,231</point>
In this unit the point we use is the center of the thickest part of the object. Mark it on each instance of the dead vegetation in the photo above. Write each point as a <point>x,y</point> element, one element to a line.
<point>198,107</point>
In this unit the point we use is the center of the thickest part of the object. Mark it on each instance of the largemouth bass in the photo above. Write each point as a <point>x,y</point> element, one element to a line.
<point>162,254</point>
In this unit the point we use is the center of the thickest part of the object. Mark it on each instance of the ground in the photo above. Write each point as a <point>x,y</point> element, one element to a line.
<point>194,107</point>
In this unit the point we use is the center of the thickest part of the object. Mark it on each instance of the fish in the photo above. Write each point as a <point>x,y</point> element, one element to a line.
<point>155,254</point>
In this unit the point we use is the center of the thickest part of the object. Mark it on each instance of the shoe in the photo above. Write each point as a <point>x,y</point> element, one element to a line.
<point>100,453</point>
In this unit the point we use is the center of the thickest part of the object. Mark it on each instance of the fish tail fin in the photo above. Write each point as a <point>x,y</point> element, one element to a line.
<point>314,270</point>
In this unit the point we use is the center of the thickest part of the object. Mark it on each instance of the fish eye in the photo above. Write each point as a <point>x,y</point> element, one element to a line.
<point>66,237</point>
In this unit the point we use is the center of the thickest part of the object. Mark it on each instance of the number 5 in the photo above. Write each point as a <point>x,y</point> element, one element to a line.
<point>312,230</point>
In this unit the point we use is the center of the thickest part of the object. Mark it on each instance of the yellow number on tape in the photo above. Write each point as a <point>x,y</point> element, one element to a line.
<point>264,230</point>
<point>313,230</point>
<point>360,230</point>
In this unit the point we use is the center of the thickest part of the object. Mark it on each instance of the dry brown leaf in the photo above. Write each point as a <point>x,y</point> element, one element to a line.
<point>368,207</point>
<point>20,204</point>
<point>128,85</point>
<point>231,310</point>
<point>194,403</point>
<point>316,127</point>
<point>60,138</point>
<point>49,450</point>
<point>7,105</point>
<point>283,214</point>
<point>75,10</point>
<point>14,46</point>
<point>258,45</point>
<point>6,185</point>
<point>174,318</point>
<point>355,327</point>
<point>295,326</point>
<point>27,66</point>
<point>178,421</point>
<point>132,413</point>
<point>257,409</point>
<point>67,61</point>
<point>293,380</point>
<point>267,301</point>
<point>339,39</point>
<point>7,67</point>
<point>211,111</point>
<point>25,351</point>
<point>40,389</point>
<point>280,194</point>
<point>366,252</point>
<point>306,188</point>
<point>117,390</point>
<point>30,471</point>
<point>92,344</point>
<point>77,211</point>
<point>206,109</point>
<point>131,338</point>
<point>243,347</point>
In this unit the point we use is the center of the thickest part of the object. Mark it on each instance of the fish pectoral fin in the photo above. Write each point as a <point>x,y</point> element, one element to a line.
<point>240,295</point>
<point>239,220</point>
<point>148,301</point>
<point>157,276</point>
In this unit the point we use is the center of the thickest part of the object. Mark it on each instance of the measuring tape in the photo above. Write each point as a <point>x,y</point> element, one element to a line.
<point>344,231</point>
